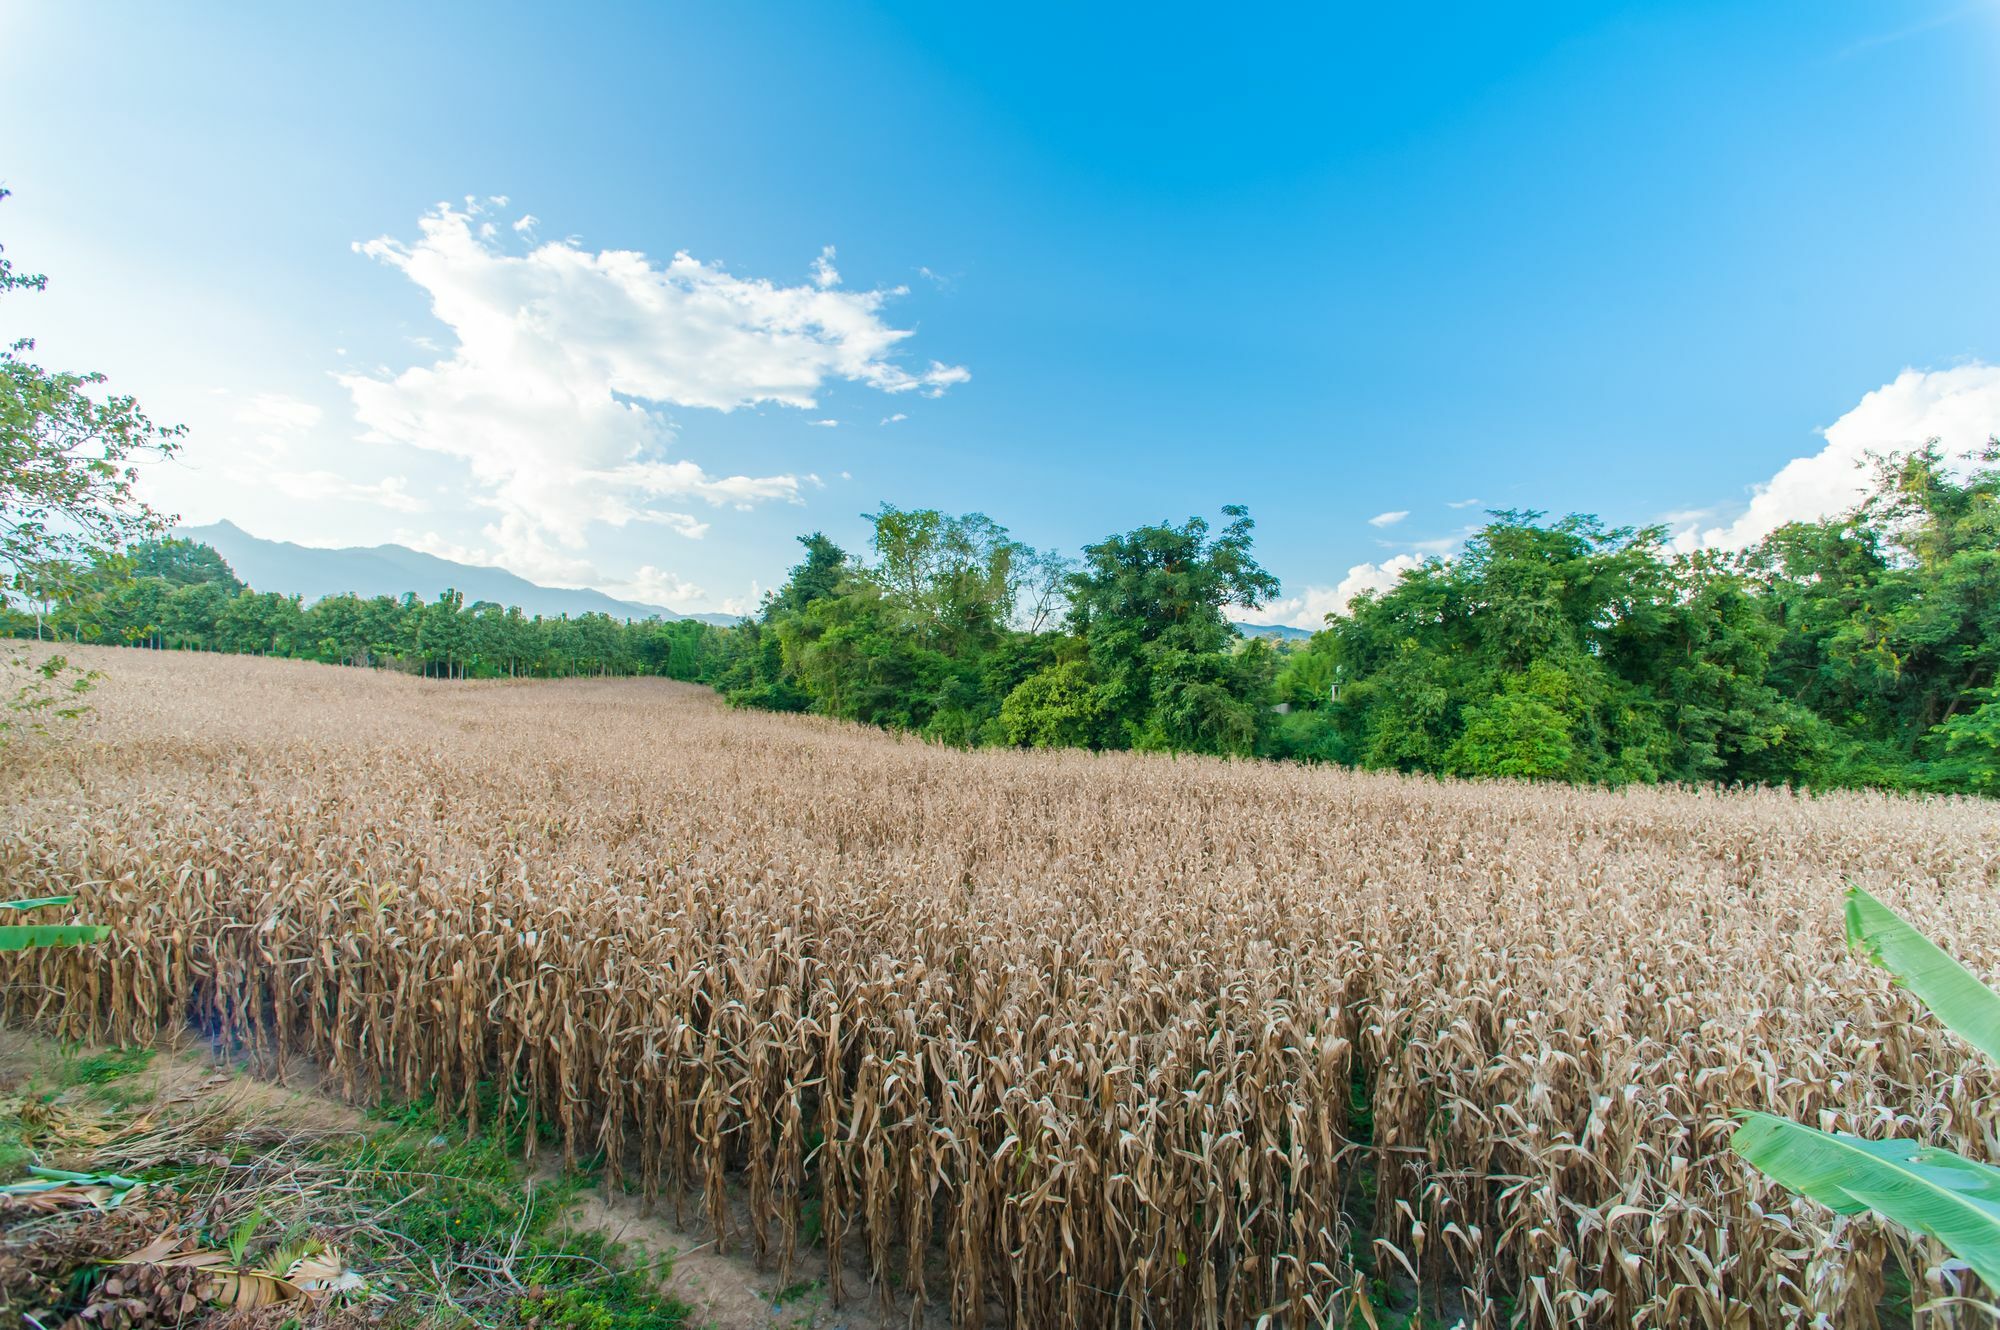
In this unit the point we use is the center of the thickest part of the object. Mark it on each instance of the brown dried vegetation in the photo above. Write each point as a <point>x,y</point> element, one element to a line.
<point>1057,1039</point>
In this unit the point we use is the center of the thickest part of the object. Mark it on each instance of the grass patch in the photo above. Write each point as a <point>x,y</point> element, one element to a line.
<point>102,1067</point>
<point>463,1202</point>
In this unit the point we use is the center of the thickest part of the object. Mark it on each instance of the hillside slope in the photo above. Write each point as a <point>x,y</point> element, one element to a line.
<point>391,570</point>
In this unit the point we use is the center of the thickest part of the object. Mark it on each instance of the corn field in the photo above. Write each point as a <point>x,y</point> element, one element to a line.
<point>1052,1039</point>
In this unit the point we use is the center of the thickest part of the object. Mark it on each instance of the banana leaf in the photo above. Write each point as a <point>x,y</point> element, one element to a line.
<point>107,1191</point>
<point>20,937</point>
<point>37,903</point>
<point>1967,1007</point>
<point>1918,1186</point>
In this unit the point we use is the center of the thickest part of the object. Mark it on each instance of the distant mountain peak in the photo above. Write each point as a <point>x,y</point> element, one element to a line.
<point>1280,631</point>
<point>313,572</point>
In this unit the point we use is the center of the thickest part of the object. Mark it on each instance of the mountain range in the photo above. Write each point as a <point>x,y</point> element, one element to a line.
<point>391,570</point>
<point>1278,632</point>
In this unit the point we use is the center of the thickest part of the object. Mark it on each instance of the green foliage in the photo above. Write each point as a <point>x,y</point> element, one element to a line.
<point>1059,707</point>
<point>24,937</point>
<point>39,690</point>
<point>1968,1008</point>
<point>179,563</point>
<point>105,1066</point>
<point>1931,1190</point>
<point>1964,749</point>
<point>460,1197</point>
<point>1311,736</point>
<point>1856,651</point>
<point>1516,734</point>
<point>69,462</point>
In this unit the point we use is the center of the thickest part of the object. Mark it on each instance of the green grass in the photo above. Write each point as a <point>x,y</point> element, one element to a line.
<point>463,1198</point>
<point>15,1156</point>
<point>103,1067</point>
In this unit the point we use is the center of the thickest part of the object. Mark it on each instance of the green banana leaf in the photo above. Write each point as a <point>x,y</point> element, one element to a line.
<point>21,937</point>
<point>37,903</point>
<point>1967,1007</point>
<point>1918,1186</point>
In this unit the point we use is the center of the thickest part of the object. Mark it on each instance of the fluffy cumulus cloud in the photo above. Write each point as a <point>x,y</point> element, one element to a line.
<point>1310,608</point>
<point>1960,408</point>
<point>562,362</point>
<point>273,450</point>
<point>657,586</point>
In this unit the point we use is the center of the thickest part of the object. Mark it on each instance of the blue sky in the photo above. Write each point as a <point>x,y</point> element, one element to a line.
<point>1675,263</point>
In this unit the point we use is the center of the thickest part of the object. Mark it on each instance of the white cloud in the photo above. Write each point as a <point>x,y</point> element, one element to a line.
<point>430,542</point>
<point>1958,407</point>
<point>890,420</point>
<point>389,492</point>
<point>560,362</point>
<point>526,224</point>
<point>273,426</point>
<point>686,480</point>
<point>656,586</point>
<point>936,379</point>
<point>520,547</point>
<point>743,604</point>
<point>1389,518</point>
<point>1462,503</point>
<point>825,275</point>
<point>1310,607</point>
<point>826,424</point>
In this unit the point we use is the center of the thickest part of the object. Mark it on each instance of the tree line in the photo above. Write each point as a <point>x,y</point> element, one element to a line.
<point>174,594</point>
<point>1858,650</point>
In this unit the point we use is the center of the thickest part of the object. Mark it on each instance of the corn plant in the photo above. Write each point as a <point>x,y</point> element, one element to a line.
<point>1048,1038</point>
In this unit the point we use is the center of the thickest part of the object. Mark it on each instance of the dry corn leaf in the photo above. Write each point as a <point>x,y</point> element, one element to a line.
<point>1101,1038</point>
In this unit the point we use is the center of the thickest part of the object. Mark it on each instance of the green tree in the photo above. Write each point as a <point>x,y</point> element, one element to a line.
<point>1057,707</point>
<point>69,460</point>
<point>818,576</point>
<point>1566,650</point>
<point>180,562</point>
<point>1889,620</point>
<point>954,579</point>
<point>1150,608</point>
<point>1515,734</point>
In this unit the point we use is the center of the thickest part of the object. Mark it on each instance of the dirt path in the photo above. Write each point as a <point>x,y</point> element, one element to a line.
<point>727,1290</point>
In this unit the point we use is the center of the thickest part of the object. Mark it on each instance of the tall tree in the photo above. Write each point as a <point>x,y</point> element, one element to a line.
<point>69,460</point>
<point>68,469</point>
<point>1149,610</point>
